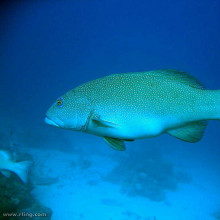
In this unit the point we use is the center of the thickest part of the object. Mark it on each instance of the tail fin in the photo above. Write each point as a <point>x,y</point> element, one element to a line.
<point>21,169</point>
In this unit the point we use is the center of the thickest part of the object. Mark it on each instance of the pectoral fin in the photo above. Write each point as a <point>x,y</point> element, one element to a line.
<point>114,143</point>
<point>192,132</point>
<point>103,123</point>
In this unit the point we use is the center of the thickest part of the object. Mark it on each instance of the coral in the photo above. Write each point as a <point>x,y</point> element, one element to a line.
<point>16,196</point>
<point>38,211</point>
<point>146,174</point>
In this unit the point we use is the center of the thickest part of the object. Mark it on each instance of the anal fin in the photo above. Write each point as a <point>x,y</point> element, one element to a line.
<point>191,132</point>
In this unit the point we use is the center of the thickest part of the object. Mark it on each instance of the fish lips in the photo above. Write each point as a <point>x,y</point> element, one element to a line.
<point>55,123</point>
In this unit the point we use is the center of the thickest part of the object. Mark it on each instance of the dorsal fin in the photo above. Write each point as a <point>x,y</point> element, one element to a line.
<point>192,132</point>
<point>179,76</point>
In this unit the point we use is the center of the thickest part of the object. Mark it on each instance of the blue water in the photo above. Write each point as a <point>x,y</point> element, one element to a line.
<point>49,47</point>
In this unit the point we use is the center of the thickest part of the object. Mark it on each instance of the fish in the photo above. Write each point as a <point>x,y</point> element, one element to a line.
<point>137,105</point>
<point>7,165</point>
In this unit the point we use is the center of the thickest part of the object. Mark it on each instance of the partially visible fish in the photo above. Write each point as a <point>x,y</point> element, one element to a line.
<point>130,106</point>
<point>7,166</point>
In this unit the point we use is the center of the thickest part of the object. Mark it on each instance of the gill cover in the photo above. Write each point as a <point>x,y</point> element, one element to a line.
<point>83,112</point>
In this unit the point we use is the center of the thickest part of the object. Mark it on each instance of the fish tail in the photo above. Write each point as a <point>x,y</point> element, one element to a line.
<point>21,169</point>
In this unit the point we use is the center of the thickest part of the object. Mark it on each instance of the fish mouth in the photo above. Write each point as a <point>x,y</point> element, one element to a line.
<point>51,122</point>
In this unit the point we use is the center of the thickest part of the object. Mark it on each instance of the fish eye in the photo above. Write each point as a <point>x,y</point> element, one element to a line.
<point>60,102</point>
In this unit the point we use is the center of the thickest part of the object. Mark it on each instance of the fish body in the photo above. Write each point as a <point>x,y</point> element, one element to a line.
<point>138,105</point>
<point>19,168</point>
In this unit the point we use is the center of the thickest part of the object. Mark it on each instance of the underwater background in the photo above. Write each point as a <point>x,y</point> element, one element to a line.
<point>49,47</point>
